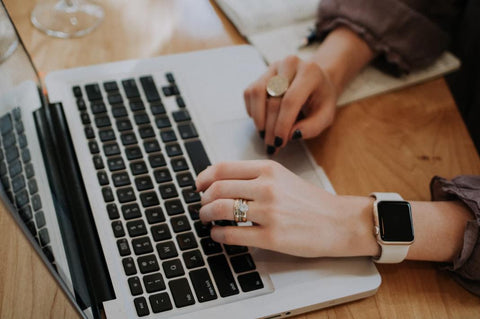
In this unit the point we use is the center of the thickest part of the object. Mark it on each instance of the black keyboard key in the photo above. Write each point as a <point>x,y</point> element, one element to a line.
<point>121,179</point>
<point>102,121</point>
<point>138,168</point>
<point>154,215</point>
<point>18,183</point>
<point>187,241</point>
<point>193,259</point>
<point>142,246</point>
<point>181,292</point>
<point>180,224</point>
<point>149,88</point>
<point>202,285</point>
<point>168,191</point>
<point>98,162</point>
<point>135,286</point>
<point>222,275</point>
<point>136,228</point>
<point>129,266</point>
<point>162,175</point>
<point>166,250</point>
<point>149,199</point>
<point>133,153</point>
<point>187,131</point>
<point>117,228</point>
<point>40,219</point>
<point>173,149</point>
<point>126,195</point>
<point>173,268</point>
<point>160,232</point>
<point>141,118</point>
<point>147,264</point>
<point>130,87</point>
<point>77,91</point>
<point>170,77</point>
<point>102,178</point>
<point>194,211</point>
<point>81,104</point>
<point>124,124</point>
<point>250,281</point>
<point>146,131</point>
<point>26,213</point>
<point>151,146</point>
<point>123,247</point>
<point>174,207</point>
<point>107,135</point>
<point>137,105</point>
<point>160,302</point>
<point>210,247</point>
<point>33,230</point>
<point>111,149</point>
<point>203,230</point>
<point>115,98</point>
<point>93,92</point>
<point>9,140</point>
<point>6,124</point>
<point>190,196</point>
<point>180,102</point>
<point>98,107</point>
<point>162,121</point>
<point>12,154</point>
<point>115,164</point>
<point>141,306</point>
<point>26,155</point>
<point>112,211</point>
<point>154,282</point>
<point>22,140</point>
<point>168,136</point>
<point>197,155</point>
<point>129,139</point>
<point>234,249</point>
<point>119,111</point>
<point>157,160</point>
<point>47,250</point>
<point>181,116</point>
<point>168,90</point>
<point>131,211</point>
<point>19,127</point>
<point>89,133</point>
<point>185,179</point>
<point>143,183</point>
<point>29,171</point>
<point>157,108</point>
<point>242,263</point>
<point>179,164</point>
<point>110,86</point>
<point>107,194</point>
<point>36,202</point>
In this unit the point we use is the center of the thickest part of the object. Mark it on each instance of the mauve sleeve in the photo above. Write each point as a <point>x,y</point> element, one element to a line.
<point>402,37</point>
<point>465,269</point>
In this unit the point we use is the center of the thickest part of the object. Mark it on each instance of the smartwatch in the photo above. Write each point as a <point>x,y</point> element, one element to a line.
<point>393,227</point>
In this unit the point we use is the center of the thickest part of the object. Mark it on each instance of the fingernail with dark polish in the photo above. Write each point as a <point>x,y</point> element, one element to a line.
<point>297,135</point>
<point>270,149</point>
<point>278,141</point>
<point>262,134</point>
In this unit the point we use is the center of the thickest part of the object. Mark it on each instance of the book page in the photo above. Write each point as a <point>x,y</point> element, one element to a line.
<point>281,42</point>
<point>252,16</point>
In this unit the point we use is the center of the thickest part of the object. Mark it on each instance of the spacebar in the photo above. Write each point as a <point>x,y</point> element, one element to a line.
<point>197,155</point>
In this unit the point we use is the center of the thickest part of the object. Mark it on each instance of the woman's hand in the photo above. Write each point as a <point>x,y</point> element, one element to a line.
<point>288,214</point>
<point>310,92</point>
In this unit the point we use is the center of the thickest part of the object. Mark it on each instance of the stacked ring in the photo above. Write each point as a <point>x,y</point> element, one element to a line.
<point>240,209</point>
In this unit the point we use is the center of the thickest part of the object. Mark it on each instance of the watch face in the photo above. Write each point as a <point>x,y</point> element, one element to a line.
<point>395,221</point>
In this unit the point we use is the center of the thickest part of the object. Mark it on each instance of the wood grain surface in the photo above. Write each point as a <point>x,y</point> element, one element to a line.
<point>392,142</point>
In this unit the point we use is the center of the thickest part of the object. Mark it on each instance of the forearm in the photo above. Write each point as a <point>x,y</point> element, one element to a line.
<point>439,228</point>
<point>342,55</point>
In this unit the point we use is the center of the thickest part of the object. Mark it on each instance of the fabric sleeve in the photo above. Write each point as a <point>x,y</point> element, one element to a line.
<point>401,37</point>
<point>465,269</point>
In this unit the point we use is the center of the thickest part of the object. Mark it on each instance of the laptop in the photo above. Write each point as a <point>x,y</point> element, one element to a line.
<point>98,175</point>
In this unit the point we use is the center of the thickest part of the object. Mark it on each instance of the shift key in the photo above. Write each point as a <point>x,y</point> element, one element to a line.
<point>223,276</point>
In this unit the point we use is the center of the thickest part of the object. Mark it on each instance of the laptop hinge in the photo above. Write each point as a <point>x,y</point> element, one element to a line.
<point>81,241</point>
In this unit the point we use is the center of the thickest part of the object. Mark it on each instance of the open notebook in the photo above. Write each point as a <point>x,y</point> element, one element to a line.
<point>276,29</point>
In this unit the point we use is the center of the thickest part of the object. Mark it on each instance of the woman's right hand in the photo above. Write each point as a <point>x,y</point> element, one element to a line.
<point>311,94</point>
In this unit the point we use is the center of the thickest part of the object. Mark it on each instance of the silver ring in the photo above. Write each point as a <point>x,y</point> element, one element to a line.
<point>240,209</point>
<point>277,86</point>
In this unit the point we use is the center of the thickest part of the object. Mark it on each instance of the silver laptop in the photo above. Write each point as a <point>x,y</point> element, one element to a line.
<point>99,177</point>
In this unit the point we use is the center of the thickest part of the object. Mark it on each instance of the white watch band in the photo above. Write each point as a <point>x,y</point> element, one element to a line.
<point>390,253</point>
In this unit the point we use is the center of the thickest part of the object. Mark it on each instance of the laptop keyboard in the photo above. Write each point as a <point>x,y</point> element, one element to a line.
<point>145,160</point>
<point>18,178</point>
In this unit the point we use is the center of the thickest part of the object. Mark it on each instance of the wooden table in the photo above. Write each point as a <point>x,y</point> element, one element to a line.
<point>393,142</point>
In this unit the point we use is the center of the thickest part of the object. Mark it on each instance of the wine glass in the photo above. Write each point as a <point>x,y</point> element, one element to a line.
<point>66,18</point>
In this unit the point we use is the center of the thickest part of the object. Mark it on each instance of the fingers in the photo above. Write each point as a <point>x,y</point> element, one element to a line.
<point>316,122</point>
<point>228,170</point>
<point>242,236</point>
<point>222,209</point>
<point>273,107</point>
<point>230,189</point>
